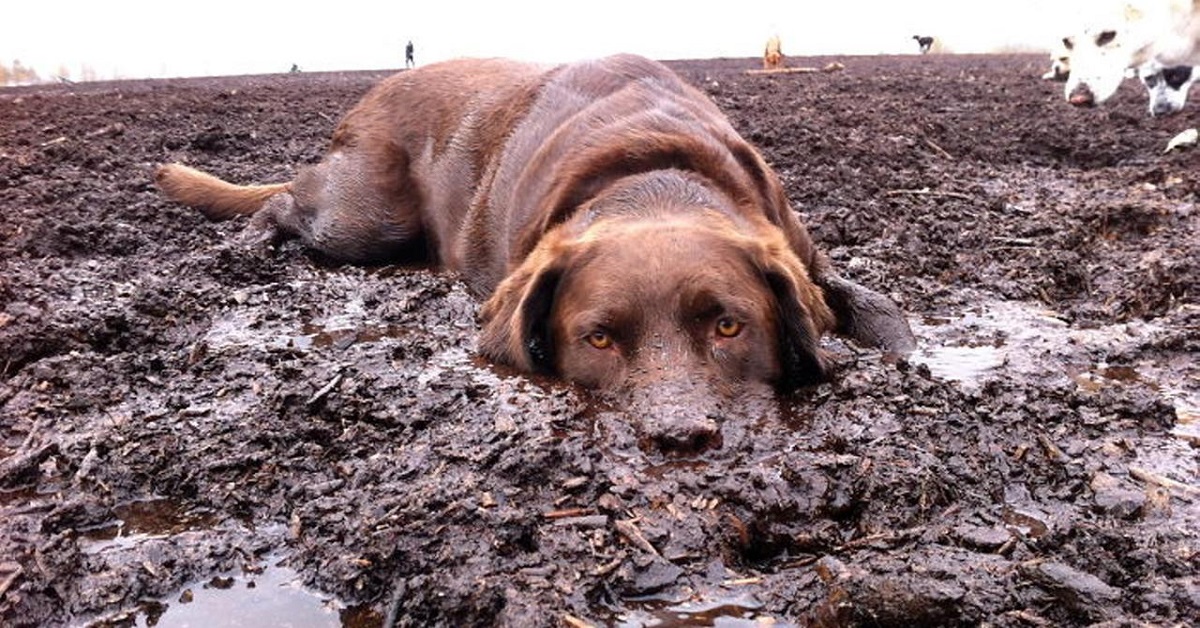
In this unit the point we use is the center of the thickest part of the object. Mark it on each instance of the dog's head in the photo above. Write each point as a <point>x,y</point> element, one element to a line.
<point>1114,37</point>
<point>1167,86</point>
<point>1060,64</point>
<point>678,310</point>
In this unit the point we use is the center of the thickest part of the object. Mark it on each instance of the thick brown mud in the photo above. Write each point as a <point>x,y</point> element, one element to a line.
<point>191,431</point>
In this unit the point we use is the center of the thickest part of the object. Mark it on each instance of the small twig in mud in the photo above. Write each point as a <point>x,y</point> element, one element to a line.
<point>326,389</point>
<point>1029,617</point>
<point>565,513</point>
<point>586,522</point>
<point>889,537</point>
<point>326,116</point>
<point>938,149</point>
<point>628,530</point>
<point>610,566</point>
<point>1053,452</point>
<point>1018,242</point>
<point>34,432</point>
<point>574,622</point>
<point>737,582</point>
<point>800,562</point>
<point>1185,491</point>
<point>929,192</point>
<point>803,70</point>
<point>576,482</point>
<point>15,570</point>
<point>115,128</point>
<point>1007,547</point>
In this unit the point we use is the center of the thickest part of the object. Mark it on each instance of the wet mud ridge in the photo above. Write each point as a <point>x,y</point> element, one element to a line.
<point>184,424</point>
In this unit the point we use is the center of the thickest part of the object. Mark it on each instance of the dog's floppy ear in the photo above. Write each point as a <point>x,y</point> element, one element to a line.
<point>802,314</point>
<point>516,318</point>
<point>870,318</point>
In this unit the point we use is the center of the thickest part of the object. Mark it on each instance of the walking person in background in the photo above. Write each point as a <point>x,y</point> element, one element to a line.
<point>409,61</point>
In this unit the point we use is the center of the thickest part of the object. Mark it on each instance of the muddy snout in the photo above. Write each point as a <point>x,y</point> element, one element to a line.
<point>681,431</point>
<point>679,418</point>
<point>1082,96</point>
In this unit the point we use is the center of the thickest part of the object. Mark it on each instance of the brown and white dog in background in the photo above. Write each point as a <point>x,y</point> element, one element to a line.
<point>773,55</point>
<point>625,237</point>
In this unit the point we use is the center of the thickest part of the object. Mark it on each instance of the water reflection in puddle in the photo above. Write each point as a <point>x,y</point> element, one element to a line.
<point>249,327</point>
<point>140,520</point>
<point>266,593</point>
<point>1007,339</point>
<point>973,345</point>
<point>269,596</point>
<point>725,612</point>
<point>963,364</point>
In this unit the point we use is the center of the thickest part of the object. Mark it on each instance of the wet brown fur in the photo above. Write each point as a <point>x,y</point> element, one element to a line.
<point>529,180</point>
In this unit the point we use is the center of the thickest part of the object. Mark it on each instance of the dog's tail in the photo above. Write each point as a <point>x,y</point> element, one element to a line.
<point>219,200</point>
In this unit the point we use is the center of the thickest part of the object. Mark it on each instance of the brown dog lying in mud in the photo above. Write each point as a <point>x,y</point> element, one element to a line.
<point>624,235</point>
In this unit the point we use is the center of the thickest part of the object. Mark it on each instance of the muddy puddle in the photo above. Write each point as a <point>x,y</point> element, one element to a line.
<point>140,521</point>
<point>728,612</point>
<point>269,594</point>
<point>262,591</point>
<point>994,338</point>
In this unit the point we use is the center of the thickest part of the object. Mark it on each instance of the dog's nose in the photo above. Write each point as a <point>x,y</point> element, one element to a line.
<point>685,435</point>
<point>1082,97</point>
<point>677,410</point>
<point>690,436</point>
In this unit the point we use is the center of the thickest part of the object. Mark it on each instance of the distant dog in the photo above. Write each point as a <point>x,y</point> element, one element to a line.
<point>924,42</point>
<point>1167,87</point>
<point>1112,37</point>
<point>624,235</point>
<point>773,55</point>
<point>1060,64</point>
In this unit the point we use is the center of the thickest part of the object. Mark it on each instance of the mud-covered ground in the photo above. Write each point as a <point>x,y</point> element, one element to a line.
<point>180,419</point>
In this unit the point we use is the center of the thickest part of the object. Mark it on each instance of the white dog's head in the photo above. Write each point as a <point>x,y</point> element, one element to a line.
<point>1168,87</point>
<point>1060,65</point>
<point>1114,37</point>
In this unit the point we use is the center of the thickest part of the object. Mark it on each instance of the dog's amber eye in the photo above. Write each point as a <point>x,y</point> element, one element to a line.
<point>728,327</point>
<point>600,339</point>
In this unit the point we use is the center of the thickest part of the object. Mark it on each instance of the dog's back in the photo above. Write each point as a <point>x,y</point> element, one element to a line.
<point>400,170</point>
<point>472,160</point>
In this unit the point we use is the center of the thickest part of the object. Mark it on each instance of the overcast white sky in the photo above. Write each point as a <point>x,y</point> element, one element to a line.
<point>137,38</point>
